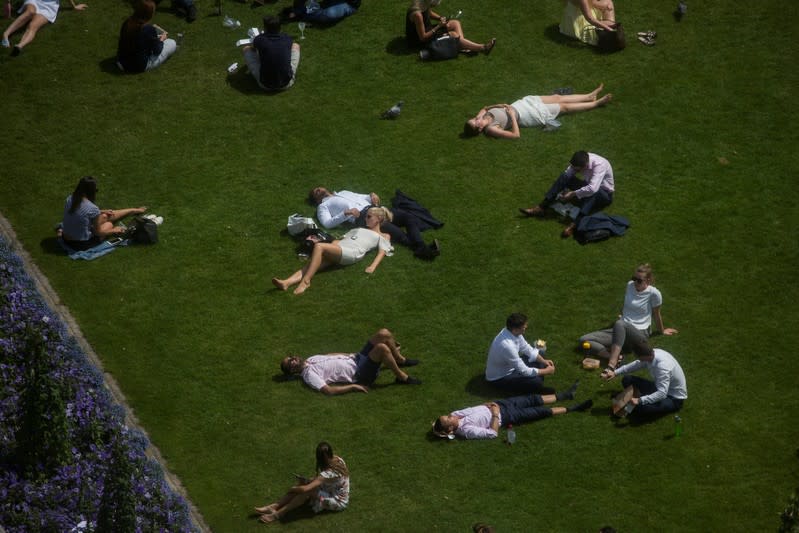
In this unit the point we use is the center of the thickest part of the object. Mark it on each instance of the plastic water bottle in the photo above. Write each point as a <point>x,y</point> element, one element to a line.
<point>229,22</point>
<point>677,426</point>
<point>457,15</point>
<point>511,438</point>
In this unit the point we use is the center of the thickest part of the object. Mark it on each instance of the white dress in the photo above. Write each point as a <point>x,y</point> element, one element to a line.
<point>357,242</point>
<point>46,8</point>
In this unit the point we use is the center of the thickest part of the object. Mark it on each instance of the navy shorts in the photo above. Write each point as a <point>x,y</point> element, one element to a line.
<point>367,369</point>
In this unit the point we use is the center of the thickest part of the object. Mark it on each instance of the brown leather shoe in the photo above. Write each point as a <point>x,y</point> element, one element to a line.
<point>569,231</point>
<point>535,211</point>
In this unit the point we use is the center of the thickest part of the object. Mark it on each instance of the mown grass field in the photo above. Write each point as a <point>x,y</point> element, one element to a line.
<point>701,134</point>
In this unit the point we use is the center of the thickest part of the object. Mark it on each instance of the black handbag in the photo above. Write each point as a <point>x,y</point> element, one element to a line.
<point>446,47</point>
<point>611,41</point>
<point>145,231</point>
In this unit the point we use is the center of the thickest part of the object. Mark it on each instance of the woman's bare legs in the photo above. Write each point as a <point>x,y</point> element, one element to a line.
<point>572,103</point>
<point>324,255</point>
<point>37,21</point>
<point>20,21</point>
<point>455,30</point>
<point>290,501</point>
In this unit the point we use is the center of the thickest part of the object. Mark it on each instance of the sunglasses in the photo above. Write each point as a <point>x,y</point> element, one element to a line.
<point>638,280</point>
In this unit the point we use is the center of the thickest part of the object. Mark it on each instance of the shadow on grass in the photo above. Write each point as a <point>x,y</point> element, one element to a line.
<point>109,66</point>
<point>553,34</point>
<point>398,46</point>
<point>49,245</point>
<point>303,512</point>
<point>243,82</point>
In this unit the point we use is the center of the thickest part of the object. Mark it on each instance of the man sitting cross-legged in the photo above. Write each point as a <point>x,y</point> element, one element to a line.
<point>338,373</point>
<point>483,421</point>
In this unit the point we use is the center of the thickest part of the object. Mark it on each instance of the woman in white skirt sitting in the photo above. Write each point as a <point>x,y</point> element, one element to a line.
<point>503,121</point>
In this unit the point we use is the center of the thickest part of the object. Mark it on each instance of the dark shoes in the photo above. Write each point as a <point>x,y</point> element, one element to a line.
<point>16,51</point>
<point>409,381</point>
<point>191,13</point>
<point>429,252</point>
<point>535,211</point>
<point>583,406</point>
<point>569,231</point>
<point>409,362</point>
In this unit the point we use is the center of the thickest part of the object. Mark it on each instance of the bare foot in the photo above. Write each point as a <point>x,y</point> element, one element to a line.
<point>604,100</point>
<point>266,509</point>
<point>596,91</point>
<point>302,287</point>
<point>280,284</point>
<point>268,518</point>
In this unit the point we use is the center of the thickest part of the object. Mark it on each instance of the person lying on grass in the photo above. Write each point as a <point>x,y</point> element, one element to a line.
<point>483,421</point>
<point>350,249</point>
<point>85,225</point>
<point>33,15</point>
<point>503,121</point>
<point>666,394</point>
<point>642,303</point>
<point>328,491</point>
<point>339,373</point>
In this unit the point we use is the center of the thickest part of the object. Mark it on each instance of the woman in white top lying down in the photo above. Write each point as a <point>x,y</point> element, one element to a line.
<point>350,249</point>
<point>503,120</point>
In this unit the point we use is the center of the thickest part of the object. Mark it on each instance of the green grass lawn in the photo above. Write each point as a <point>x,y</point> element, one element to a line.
<point>702,137</point>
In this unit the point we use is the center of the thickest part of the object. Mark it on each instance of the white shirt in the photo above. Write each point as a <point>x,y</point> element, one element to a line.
<point>598,174</point>
<point>331,212</point>
<point>321,370</point>
<point>475,423</point>
<point>504,356</point>
<point>638,306</point>
<point>667,373</point>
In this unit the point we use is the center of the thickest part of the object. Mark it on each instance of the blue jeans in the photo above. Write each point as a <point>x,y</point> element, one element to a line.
<point>519,409</point>
<point>590,204</point>
<point>652,410</point>
<point>327,15</point>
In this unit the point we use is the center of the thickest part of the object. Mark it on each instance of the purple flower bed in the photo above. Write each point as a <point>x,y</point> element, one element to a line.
<point>67,460</point>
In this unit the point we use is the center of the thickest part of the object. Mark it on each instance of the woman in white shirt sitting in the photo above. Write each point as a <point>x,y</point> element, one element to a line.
<point>642,302</point>
<point>350,249</point>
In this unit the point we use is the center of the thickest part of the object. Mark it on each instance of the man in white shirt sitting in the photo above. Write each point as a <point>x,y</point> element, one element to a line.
<point>505,367</point>
<point>336,208</point>
<point>665,394</point>
<point>338,373</point>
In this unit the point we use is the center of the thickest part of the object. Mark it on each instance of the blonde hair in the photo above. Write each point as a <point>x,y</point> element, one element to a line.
<point>382,212</point>
<point>646,270</point>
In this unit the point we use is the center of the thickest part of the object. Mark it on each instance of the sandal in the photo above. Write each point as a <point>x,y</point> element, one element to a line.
<point>489,46</point>
<point>647,41</point>
<point>650,34</point>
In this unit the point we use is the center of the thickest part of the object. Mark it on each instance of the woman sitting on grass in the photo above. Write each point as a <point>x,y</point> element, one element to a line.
<point>34,14</point>
<point>329,490</point>
<point>503,121</point>
<point>84,224</point>
<point>642,302</point>
<point>143,46</point>
<point>419,31</point>
<point>350,249</point>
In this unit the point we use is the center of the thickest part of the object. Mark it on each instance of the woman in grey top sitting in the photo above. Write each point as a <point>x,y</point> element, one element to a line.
<point>503,121</point>
<point>84,224</point>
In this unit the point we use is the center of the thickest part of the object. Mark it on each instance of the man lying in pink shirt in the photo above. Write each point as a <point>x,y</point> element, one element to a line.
<point>338,373</point>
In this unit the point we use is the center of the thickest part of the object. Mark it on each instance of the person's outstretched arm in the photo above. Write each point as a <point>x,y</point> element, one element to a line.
<point>333,390</point>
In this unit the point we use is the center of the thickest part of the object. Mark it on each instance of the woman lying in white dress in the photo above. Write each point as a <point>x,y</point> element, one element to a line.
<point>503,121</point>
<point>350,249</point>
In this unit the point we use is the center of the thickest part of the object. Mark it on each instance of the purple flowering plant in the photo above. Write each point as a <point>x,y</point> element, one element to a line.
<point>68,462</point>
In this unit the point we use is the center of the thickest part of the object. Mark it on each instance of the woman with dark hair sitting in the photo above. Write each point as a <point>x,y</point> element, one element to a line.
<point>419,31</point>
<point>328,491</point>
<point>143,46</point>
<point>84,224</point>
